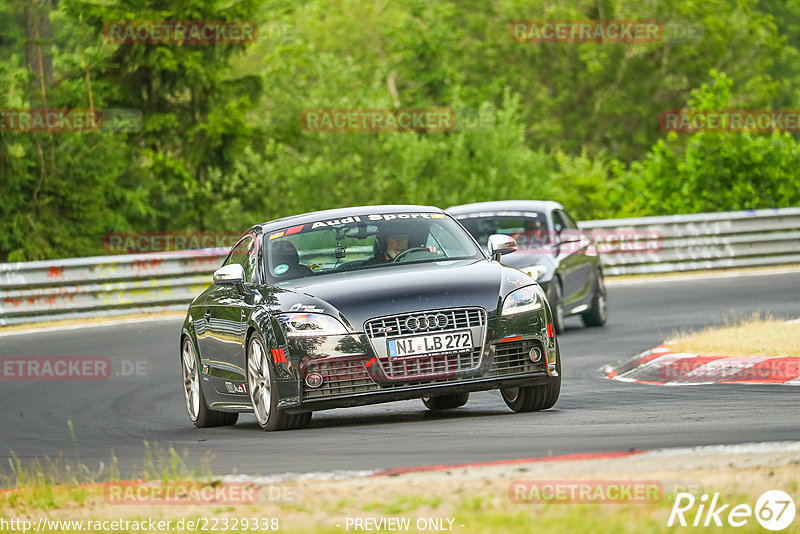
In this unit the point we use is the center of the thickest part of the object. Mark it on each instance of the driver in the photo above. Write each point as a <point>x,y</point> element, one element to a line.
<point>389,244</point>
<point>531,236</point>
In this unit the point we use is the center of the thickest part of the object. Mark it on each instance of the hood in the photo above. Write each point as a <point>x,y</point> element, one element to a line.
<point>523,259</point>
<point>395,289</point>
<point>526,259</point>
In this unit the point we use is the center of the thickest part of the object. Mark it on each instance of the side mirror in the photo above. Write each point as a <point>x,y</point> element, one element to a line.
<point>229,275</point>
<point>500,244</point>
<point>568,237</point>
<point>564,238</point>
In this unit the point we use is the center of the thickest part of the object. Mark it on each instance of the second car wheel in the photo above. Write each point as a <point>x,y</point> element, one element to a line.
<point>264,394</point>
<point>446,402</point>
<point>556,307</point>
<point>597,314</point>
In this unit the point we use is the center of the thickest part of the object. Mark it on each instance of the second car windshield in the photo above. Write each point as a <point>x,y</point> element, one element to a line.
<point>529,228</point>
<point>364,242</point>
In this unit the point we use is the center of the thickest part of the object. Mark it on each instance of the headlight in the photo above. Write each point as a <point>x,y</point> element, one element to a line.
<point>522,300</point>
<point>535,271</point>
<point>310,324</point>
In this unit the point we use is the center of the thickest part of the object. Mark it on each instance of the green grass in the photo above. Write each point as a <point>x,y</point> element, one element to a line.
<point>403,505</point>
<point>66,489</point>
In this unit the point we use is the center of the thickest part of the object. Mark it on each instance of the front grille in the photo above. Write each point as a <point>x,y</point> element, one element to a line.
<point>513,357</point>
<point>434,365</point>
<point>339,377</point>
<point>428,366</point>
<point>395,325</point>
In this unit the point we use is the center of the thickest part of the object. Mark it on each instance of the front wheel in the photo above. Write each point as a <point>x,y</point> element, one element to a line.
<point>446,402</point>
<point>535,398</point>
<point>264,393</point>
<point>199,412</point>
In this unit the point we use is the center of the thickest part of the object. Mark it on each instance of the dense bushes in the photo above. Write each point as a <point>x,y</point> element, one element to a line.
<point>221,145</point>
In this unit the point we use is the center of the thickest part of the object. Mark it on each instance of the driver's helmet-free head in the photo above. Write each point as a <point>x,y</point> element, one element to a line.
<point>533,225</point>
<point>416,231</point>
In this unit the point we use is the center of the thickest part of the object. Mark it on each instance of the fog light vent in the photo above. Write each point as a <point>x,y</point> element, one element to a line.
<point>314,380</point>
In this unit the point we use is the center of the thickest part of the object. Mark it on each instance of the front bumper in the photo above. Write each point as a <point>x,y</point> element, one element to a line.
<point>416,391</point>
<point>516,351</point>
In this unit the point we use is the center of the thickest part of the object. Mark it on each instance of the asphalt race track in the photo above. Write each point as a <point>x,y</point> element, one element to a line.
<point>593,415</point>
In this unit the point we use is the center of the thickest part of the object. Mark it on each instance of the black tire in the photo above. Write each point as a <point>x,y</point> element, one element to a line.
<point>535,398</point>
<point>211,418</point>
<point>264,393</point>
<point>446,402</point>
<point>598,313</point>
<point>556,306</point>
<point>200,414</point>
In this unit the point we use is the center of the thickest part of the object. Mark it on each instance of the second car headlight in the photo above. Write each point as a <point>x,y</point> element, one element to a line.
<point>310,324</point>
<point>535,271</point>
<point>528,298</point>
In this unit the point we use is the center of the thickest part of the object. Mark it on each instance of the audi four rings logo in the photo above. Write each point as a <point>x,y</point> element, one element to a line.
<point>426,322</point>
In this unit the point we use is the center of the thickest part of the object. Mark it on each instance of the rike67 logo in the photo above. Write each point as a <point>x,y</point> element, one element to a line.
<point>774,510</point>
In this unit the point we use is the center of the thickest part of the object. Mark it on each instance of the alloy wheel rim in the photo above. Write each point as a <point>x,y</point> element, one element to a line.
<point>258,379</point>
<point>191,382</point>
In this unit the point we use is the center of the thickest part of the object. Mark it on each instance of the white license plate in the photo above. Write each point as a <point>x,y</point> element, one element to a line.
<point>455,341</point>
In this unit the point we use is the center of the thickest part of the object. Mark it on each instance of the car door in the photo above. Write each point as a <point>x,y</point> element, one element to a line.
<point>222,346</point>
<point>579,264</point>
<point>568,254</point>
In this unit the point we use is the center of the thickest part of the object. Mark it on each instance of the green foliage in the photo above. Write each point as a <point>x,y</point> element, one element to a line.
<point>221,145</point>
<point>716,171</point>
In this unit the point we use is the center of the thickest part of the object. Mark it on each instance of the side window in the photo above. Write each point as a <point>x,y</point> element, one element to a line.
<point>558,223</point>
<point>251,262</point>
<point>569,221</point>
<point>245,254</point>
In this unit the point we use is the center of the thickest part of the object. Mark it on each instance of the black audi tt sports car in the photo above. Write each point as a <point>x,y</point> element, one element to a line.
<point>551,249</point>
<point>365,305</point>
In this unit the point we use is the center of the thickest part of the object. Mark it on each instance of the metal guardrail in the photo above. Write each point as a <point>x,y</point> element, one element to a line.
<point>114,285</point>
<point>700,241</point>
<point>104,285</point>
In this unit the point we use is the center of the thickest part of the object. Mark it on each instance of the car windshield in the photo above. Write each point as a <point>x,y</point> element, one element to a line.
<point>364,242</point>
<point>529,228</point>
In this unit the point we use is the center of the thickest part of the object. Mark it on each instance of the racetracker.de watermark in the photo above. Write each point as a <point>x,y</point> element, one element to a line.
<point>171,32</point>
<point>378,120</point>
<point>733,369</point>
<point>196,492</point>
<point>730,121</point>
<point>70,120</point>
<point>71,368</point>
<point>604,31</point>
<point>585,491</point>
<point>618,241</point>
<point>179,492</point>
<point>143,242</point>
<point>621,241</point>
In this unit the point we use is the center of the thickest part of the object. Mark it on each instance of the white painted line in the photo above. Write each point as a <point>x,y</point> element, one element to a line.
<point>744,448</point>
<point>291,477</point>
<point>81,326</point>
<point>691,277</point>
<point>769,447</point>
